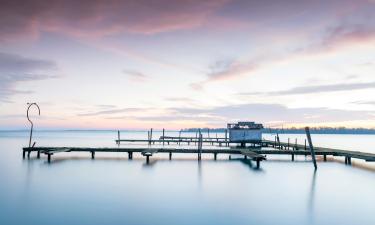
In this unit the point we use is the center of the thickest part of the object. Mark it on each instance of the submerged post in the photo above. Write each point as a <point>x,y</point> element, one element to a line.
<point>307,129</point>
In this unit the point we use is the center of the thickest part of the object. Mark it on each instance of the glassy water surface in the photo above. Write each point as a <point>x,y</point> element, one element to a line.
<point>111,189</point>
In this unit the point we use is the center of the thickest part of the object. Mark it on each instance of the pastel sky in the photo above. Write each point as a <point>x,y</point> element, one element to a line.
<point>137,64</point>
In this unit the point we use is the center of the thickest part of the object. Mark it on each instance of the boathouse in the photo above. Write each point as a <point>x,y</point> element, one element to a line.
<point>245,132</point>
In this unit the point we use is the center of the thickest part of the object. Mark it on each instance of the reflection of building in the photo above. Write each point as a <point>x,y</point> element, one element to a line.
<point>243,132</point>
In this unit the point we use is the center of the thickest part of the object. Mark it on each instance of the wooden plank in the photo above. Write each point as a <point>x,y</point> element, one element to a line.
<point>55,150</point>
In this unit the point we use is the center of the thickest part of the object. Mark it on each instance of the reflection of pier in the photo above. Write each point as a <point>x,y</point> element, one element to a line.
<point>252,150</point>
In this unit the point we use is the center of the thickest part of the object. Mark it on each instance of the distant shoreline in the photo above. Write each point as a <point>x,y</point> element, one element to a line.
<point>298,130</point>
<point>352,131</point>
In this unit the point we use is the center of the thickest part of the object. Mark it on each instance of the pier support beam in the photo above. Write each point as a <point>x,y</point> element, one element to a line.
<point>245,157</point>
<point>49,158</point>
<point>258,163</point>
<point>92,155</point>
<point>325,158</point>
<point>215,156</point>
<point>38,155</point>
<point>130,155</point>
<point>292,157</point>
<point>170,155</point>
<point>23,154</point>
<point>147,159</point>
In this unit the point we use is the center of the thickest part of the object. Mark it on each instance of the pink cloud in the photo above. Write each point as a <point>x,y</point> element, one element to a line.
<point>98,18</point>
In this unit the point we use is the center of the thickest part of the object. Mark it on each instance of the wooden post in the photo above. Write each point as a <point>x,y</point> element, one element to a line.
<point>92,155</point>
<point>118,137</point>
<point>23,154</point>
<point>200,147</point>
<point>150,136</point>
<point>278,140</point>
<point>305,145</point>
<point>226,137</point>
<point>179,138</point>
<point>307,129</point>
<point>170,155</point>
<point>215,156</point>
<point>163,136</point>
<point>49,158</point>
<point>130,155</point>
<point>275,142</point>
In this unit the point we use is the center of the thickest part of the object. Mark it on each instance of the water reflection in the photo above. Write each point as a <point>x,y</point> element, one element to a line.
<point>310,206</point>
<point>199,174</point>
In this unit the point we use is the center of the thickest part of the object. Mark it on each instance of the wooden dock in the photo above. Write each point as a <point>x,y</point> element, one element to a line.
<point>251,150</point>
<point>257,154</point>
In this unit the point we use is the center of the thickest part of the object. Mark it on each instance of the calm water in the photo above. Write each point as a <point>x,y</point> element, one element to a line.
<point>74,189</point>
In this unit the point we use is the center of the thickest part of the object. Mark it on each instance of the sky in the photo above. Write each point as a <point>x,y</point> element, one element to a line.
<point>137,64</point>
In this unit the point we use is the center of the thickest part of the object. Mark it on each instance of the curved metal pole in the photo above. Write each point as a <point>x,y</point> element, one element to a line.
<point>31,122</point>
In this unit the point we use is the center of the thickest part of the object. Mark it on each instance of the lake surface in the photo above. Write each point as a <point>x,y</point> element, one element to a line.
<point>73,189</point>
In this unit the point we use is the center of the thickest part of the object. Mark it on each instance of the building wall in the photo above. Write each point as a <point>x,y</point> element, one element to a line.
<point>245,135</point>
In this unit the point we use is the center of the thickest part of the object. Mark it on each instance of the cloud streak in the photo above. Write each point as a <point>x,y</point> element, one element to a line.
<point>15,69</point>
<point>136,76</point>
<point>313,89</point>
<point>276,112</point>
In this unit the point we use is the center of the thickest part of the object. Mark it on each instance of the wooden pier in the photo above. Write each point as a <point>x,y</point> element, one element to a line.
<point>251,150</point>
<point>256,151</point>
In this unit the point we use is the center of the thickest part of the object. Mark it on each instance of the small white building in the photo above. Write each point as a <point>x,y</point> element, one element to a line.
<point>245,132</point>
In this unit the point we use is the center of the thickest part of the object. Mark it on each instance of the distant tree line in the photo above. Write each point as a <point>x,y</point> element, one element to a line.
<point>294,130</point>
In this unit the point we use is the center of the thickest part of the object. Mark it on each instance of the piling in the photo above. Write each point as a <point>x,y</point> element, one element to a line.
<point>200,147</point>
<point>179,138</point>
<point>163,135</point>
<point>130,155</point>
<point>118,137</point>
<point>307,129</point>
